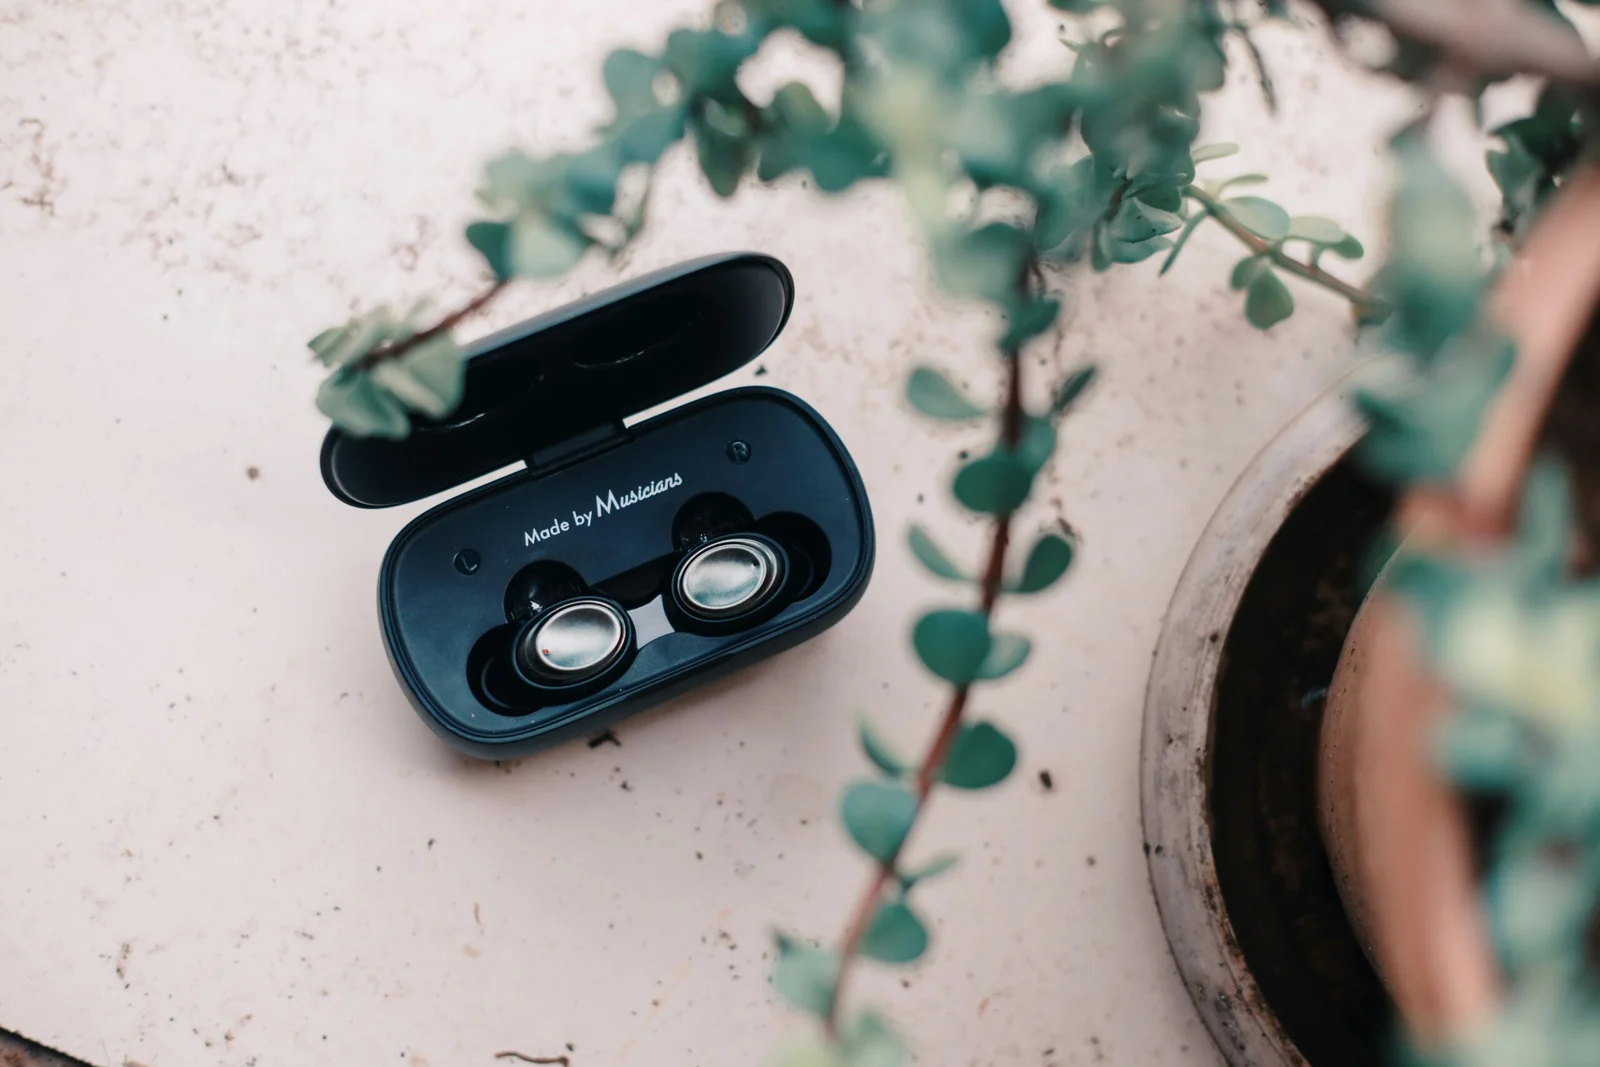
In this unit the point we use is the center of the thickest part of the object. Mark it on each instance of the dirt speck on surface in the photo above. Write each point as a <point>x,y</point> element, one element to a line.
<point>252,473</point>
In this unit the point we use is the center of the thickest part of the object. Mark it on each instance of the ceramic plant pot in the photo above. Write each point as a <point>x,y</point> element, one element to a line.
<point>1398,836</point>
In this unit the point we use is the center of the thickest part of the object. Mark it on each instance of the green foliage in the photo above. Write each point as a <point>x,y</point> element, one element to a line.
<point>805,975</point>
<point>895,934</point>
<point>986,263</point>
<point>931,556</point>
<point>995,484</point>
<point>952,644</point>
<point>1036,443</point>
<point>937,397</point>
<point>932,869</point>
<point>1435,272</point>
<point>980,756</point>
<point>1213,151</point>
<point>1072,387</point>
<point>1421,428</point>
<point>1268,301</point>
<point>1261,217</point>
<point>878,815</point>
<point>1539,149</point>
<point>369,398</point>
<point>1515,640</point>
<point>1248,270</point>
<point>867,1040</point>
<point>1007,652</point>
<point>878,752</point>
<point>1047,561</point>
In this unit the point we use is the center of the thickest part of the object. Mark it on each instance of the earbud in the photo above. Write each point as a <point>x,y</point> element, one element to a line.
<point>567,637</point>
<point>728,583</point>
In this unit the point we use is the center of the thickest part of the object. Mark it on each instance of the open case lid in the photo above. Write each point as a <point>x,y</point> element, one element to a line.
<point>572,371</point>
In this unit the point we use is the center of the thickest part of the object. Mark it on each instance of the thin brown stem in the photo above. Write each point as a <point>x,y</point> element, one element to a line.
<point>933,760</point>
<point>449,322</point>
<point>1363,300</point>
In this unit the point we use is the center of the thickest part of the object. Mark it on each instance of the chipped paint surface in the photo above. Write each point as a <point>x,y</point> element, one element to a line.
<point>229,840</point>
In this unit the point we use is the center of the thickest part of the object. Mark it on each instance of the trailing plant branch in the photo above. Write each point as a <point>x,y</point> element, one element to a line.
<point>396,349</point>
<point>1364,302</point>
<point>927,771</point>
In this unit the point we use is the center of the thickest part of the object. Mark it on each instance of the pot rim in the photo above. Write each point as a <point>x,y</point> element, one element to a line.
<point>1180,719</point>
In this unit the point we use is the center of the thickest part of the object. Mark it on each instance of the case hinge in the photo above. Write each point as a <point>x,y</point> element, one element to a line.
<point>578,446</point>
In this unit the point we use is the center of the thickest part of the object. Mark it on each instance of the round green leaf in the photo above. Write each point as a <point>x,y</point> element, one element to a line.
<point>1006,653</point>
<point>644,139</point>
<point>981,756</point>
<point>1136,221</point>
<point>1183,238</point>
<point>1072,387</point>
<point>952,644</point>
<point>1269,301</point>
<point>1261,217</point>
<point>984,264</point>
<point>885,760</point>
<point>805,975</point>
<point>1214,151</point>
<point>937,397</point>
<point>1240,179</point>
<point>844,155</point>
<point>868,1041</point>
<point>1316,229</point>
<point>724,157</point>
<point>996,484</point>
<point>932,869</point>
<point>1048,560</point>
<point>630,79</point>
<point>705,61</point>
<point>1349,248</point>
<point>1165,197</point>
<point>362,408</point>
<point>1123,252</point>
<point>328,347</point>
<point>878,816</point>
<point>1037,443</point>
<point>895,935</point>
<point>1028,320</point>
<point>493,240</point>
<point>931,556</point>
<point>428,377</point>
<point>541,247</point>
<point>1248,270</point>
<point>812,1051</point>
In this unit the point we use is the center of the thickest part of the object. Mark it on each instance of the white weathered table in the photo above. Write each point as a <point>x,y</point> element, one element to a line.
<point>228,840</point>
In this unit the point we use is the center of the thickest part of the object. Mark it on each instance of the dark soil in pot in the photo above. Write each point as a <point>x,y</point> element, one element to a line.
<point>1272,870</point>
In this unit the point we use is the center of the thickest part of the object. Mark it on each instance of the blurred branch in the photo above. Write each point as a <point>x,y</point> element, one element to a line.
<point>1491,38</point>
<point>1362,300</point>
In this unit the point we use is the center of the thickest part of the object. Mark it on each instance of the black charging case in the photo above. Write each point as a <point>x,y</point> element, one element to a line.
<point>612,510</point>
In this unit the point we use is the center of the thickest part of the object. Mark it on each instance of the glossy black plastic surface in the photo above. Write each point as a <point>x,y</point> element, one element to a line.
<point>797,484</point>
<point>577,369</point>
